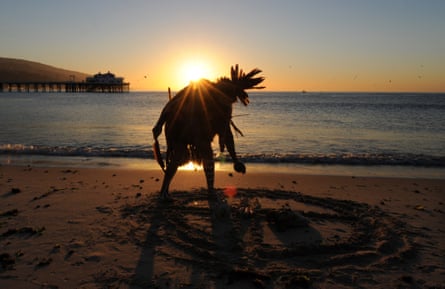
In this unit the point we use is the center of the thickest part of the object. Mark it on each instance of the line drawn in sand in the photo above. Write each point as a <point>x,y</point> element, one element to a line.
<point>267,239</point>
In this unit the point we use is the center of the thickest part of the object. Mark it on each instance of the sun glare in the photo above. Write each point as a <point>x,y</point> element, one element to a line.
<point>191,167</point>
<point>193,71</point>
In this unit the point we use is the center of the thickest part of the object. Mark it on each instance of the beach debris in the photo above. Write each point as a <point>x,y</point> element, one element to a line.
<point>94,257</point>
<point>419,208</point>
<point>295,281</point>
<point>15,191</point>
<point>6,262</point>
<point>69,254</point>
<point>104,210</point>
<point>44,262</point>
<point>25,231</point>
<point>19,253</point>
<point>407,279</point>
<point>247,207</point>
<point>10,213</point>
<point>285,218</point>
<point>68,171</point>
<point>56,248</point>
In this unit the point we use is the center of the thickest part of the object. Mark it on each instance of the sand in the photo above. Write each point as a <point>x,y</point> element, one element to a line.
<point>106,228</point>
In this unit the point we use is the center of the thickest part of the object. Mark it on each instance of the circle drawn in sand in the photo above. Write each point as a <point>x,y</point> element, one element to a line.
<point>269,238</point>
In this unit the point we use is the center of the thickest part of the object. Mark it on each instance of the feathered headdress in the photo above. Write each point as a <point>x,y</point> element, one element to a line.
<point>245,81</point>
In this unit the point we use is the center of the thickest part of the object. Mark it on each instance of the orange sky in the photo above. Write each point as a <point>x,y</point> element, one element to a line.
<point>343,45</point>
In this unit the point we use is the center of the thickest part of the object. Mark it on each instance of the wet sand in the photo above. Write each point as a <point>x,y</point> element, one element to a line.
<point>106,228</point>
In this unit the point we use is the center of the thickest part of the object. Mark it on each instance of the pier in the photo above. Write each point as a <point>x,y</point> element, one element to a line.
<point>106,83</point>
<point>64,87</point>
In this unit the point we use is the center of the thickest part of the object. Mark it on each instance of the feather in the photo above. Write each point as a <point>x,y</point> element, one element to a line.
<point>157,155</point>
<point>248,81</point>
<point>234,73</point>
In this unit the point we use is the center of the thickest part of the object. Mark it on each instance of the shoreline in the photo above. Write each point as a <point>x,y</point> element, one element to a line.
<point>390,171</point>
<point>64,227</point>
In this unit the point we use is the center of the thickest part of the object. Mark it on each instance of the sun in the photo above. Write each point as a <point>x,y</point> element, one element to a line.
<point>194,70</point>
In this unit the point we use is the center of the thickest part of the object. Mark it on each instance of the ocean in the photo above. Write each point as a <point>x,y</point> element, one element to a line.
<point>390,133</point>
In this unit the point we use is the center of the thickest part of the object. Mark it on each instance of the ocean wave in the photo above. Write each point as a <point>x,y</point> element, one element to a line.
<point>392,159</point>
<point>19,149</point>
<point>350,159</point>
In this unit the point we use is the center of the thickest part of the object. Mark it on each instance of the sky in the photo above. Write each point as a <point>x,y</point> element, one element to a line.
<point>312,45</point>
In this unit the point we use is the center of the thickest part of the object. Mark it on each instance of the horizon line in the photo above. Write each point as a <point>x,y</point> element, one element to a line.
<point>312,91</point>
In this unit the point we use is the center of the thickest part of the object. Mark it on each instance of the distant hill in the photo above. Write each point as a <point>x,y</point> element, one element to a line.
<point>19,70</point>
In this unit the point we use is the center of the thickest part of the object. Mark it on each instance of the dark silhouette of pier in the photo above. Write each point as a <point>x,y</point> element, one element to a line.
<point>64,86</point>
<point>101,82</point>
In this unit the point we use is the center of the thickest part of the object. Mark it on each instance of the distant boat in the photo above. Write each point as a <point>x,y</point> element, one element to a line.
<point>303,91</point>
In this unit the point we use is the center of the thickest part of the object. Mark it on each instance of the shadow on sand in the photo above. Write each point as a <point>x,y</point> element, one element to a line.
<point>260,239</point>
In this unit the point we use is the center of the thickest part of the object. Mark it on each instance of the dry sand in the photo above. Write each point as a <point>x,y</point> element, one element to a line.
<point>105,228</point>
